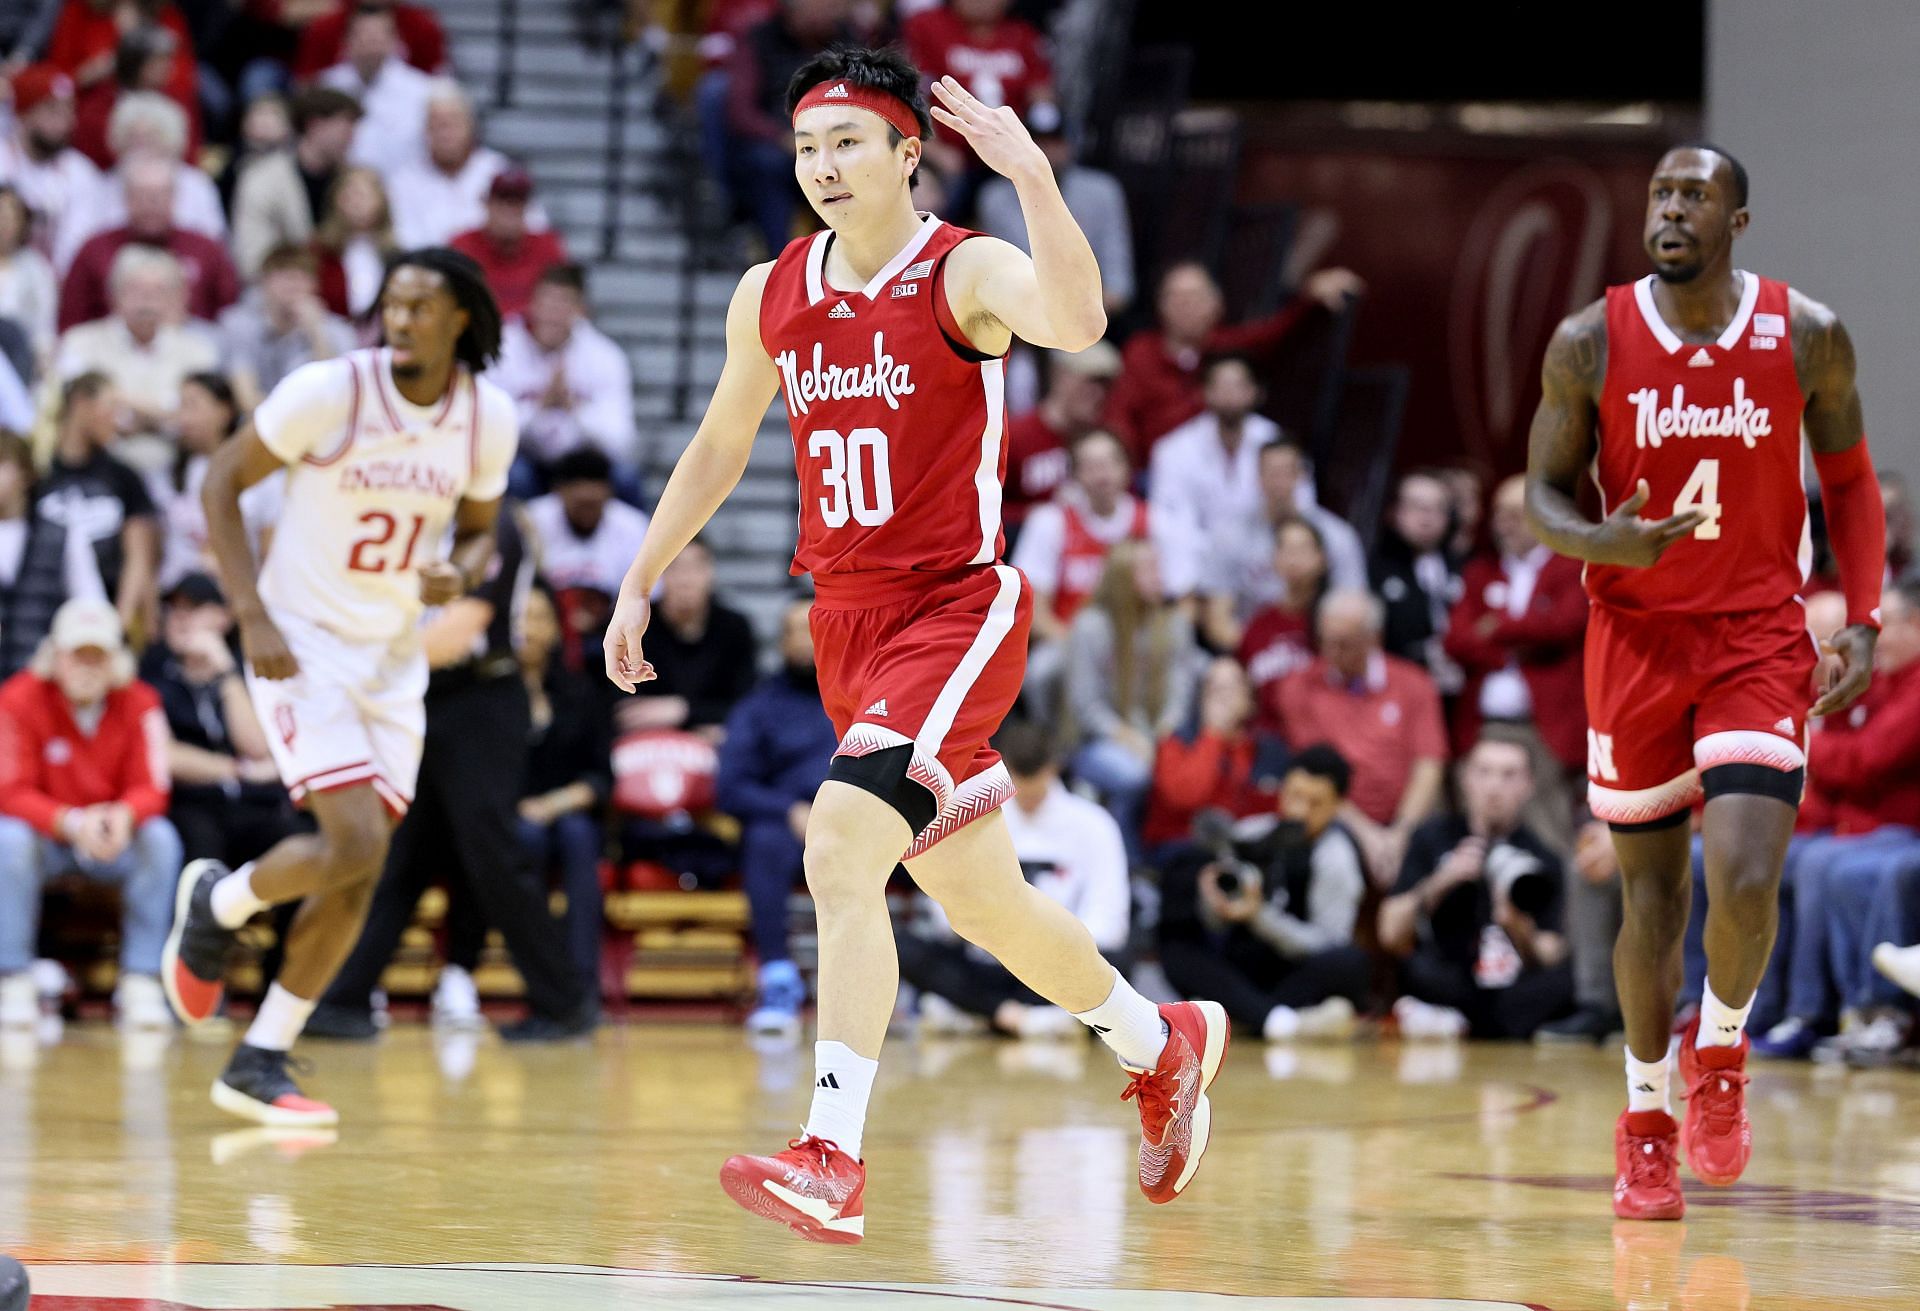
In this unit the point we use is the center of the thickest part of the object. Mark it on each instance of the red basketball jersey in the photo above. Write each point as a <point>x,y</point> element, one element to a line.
<point>1713,428</point>
<point>897,423</point>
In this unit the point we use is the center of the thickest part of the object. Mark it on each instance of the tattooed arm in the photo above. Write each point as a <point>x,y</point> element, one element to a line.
<point>1561,446</point>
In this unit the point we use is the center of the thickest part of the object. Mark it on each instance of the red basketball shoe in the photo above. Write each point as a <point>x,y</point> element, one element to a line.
<point>1646,1179</point>
<point>1175,1117</point>
<point>1717,1133</point>
<point>813,1188</point>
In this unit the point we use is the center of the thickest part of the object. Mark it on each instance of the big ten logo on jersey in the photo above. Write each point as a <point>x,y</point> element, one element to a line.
<point>1600,757</point>
<point>882,377</point>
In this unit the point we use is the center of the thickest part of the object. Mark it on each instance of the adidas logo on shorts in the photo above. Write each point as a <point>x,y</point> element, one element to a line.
<point>878,709</point>
<point>841,311</point>
<point>1784,726</point>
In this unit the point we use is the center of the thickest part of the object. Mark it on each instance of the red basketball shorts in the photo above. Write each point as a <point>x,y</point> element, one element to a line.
<point>934,665</point>
<point>1670,695</point>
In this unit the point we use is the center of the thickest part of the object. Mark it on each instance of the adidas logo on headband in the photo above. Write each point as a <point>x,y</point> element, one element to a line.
<point>836,93</point>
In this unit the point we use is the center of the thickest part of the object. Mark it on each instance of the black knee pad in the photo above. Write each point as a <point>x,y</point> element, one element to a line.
<point>1677,818</point>
<point>1754,780</point>
<point>884,773</point>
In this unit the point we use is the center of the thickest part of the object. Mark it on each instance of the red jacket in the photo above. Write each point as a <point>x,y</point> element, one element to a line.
<point>323,41</point>
<point>212,284</point>
<point>1548,641</point>
<point>48,765</point>
<point>512,273</point>
<point>1865,764</point>
<point>1209,770</point>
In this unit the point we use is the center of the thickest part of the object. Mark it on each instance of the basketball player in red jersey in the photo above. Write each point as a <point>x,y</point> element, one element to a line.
<point>1684,395</point>
<point>887,334</point>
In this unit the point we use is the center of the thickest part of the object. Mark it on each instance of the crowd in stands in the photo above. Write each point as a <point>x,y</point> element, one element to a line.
<point>1318,770</point>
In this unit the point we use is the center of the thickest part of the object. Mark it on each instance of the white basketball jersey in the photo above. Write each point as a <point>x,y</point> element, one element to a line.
<point>372,485</point>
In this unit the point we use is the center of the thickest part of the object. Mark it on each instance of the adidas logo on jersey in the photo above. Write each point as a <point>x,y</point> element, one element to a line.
<point>878,709</point>
<point>1701,359</point>
<point>841,311</point>
<point>836,93</point>
<point>1784,726</point>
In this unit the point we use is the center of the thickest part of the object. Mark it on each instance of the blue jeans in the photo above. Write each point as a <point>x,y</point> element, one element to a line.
<point>573,842</point>
<point>147,872</point>
<point>1858,886</point>
<point>1122,779</point>
<point>771,865</point>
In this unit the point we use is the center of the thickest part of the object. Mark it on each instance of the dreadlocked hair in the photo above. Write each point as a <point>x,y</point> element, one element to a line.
<point>479,345</point>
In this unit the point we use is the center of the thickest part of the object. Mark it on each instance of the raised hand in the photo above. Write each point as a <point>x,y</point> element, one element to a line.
<point>996,135</point>
<point>1624,538</point>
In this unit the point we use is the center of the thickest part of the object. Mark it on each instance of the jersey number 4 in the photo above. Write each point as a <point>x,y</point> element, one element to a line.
<point>369,555</point>
<point>1702,493</point>
<point>859,484</point>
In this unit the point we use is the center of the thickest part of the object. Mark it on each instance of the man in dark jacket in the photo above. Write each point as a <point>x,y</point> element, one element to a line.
<point>1419,580</point>
<point>778,746</point>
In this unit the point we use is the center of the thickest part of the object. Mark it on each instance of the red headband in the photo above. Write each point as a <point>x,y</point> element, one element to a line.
<point>897,113</point>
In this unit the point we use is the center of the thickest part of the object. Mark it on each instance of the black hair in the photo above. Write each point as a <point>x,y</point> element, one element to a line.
<point>82,387</point>
<point>565,274</point>
<point>1287,443</point>
<point>1734,166</point>
<point>216,386</point>
<point>582,464</point>
<point>1245,361</point>
<point>479,345</point>
<point>139,45</point>
<point>883,68</point>
<point>1322,761</point>
<point>1025,746</point>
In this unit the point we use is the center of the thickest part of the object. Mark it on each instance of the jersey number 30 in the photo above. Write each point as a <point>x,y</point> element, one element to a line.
<point>859,484</point>
<point>1702,493</point>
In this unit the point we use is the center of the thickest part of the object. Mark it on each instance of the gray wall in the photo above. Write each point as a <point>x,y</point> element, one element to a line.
<point>1819,101</point>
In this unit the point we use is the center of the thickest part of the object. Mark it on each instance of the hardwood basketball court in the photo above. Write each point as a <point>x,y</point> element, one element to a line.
<point>470,1176</point>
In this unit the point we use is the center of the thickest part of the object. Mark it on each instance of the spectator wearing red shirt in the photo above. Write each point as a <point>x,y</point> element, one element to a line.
<point>211,282</point>
<point>1160,385</point>
<point>1001,60</point>
<point>1278,639</point>
<point>1037,441</point>
<point>512,257</point>
<point>323,42</point>
<point>83,790</point>
<point>1224,764</point>
<point>1382,714</point>
<point>1518,631</point>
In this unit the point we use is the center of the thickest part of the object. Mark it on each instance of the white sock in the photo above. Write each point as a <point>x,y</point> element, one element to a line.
<point>1128,1023</point>
<point>233,900</point>
<point>842,1083</point>
<point>1647,1084</point>
<point>278,1021</point>
<point>1720,1024</point>
<point>1282,1022</point>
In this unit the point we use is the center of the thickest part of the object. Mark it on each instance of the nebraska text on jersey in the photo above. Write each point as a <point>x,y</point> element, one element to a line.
<point>882,377</point>
<point>1653,422</point>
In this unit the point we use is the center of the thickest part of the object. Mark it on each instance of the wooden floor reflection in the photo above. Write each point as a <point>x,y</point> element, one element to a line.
<point>467,1175</point>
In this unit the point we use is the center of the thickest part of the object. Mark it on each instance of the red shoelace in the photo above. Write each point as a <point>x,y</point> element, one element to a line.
<point>1156,1093</point>
<point>1719,1105</point>
<point>810,1144</point>
<point>1649,1167</point>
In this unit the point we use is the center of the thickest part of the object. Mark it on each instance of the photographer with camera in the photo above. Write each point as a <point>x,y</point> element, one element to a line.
<point>1264,922</point>
<point>1475,916</point>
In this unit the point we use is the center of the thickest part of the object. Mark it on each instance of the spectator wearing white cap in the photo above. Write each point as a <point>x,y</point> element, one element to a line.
<point>84,790</point>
